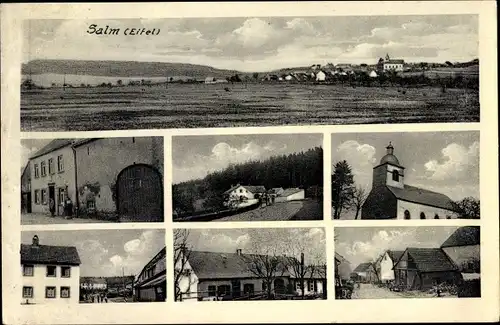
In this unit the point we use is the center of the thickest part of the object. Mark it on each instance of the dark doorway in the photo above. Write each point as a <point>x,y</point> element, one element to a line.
<point>52,193</point>
<point>236,287</point>
<point>139,192</point>
<point>279,286</point>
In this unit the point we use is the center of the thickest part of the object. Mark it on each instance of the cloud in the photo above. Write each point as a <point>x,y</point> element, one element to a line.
<point>222,155</point>
<point>361,158</point>
<point>365,251</point>
<point>457,162</point>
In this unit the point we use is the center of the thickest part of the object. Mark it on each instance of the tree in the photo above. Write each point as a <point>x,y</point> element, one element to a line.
<point>358,199</point>
<point>119,82</point>
<point>467,208</point>
<point>342,188</point>
<point>255,75</point>
<point>181,258</point>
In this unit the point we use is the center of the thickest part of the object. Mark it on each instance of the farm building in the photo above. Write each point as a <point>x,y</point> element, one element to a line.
<point>243,195</point>
<point>463,247</point>
<point>207,275</point>
<point>342,267</point>
<point>373,74</point>
<point>102,177</point>
<point>291,194</point>
<point>385,264</point>
<point>391,198</point>
<point>423,268</point>
<point>365,272</point>
<point>321,76</point>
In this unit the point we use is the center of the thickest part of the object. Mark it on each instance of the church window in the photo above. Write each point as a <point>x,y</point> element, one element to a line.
<point>422,215</point>
<point>395,175</point>
<point>436,216</point>
<point>407,214</point>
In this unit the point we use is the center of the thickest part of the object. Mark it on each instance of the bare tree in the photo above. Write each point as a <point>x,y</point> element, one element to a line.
<point>359,197</point>
<point>268,266</point>
<point>181,258</point>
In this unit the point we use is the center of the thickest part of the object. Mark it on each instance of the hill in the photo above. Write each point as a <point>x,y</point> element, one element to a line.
<point>123,69</point>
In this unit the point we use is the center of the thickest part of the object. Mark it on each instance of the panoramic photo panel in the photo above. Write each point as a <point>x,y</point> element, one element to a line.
<point>405,175</point>
<point>248,71</point>
<point>260,177</point>
<point>93,266</point>
<point>249,264</point>
<point>92,180</point>
<point>407,262</point>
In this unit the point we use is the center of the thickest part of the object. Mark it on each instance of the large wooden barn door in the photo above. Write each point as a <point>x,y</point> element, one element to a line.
<point>140,194</point>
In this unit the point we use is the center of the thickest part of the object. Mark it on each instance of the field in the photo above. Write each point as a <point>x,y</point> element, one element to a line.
<point>240,105</point>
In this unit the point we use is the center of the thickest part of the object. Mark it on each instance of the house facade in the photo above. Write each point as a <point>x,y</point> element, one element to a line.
<point>121,177</point>
<point>52,171</point>
<point>391,198</point>
<point>151,283</point>
<point>26,189</point>
<point>366,273</point>
<point>50,274</point>
<point>320,76</point>
<point>385,264</point>
<point>243,195</point>
<point>213,275</point>
<point>423,268</point>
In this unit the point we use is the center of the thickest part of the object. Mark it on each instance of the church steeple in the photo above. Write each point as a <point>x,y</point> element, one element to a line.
<point>389,172</point>
<point>390,149</point>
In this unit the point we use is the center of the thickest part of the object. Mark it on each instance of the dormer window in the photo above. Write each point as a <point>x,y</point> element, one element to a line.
<point>395,175</point>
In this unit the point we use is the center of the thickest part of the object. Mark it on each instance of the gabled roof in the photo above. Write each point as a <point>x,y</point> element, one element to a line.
<point>215,265</point>
<point>422,196</point>
<point>395,255</point>
<point>463,236</point>
<point>395,61</point>
<point>160,255</point>
<point>431,260</point>
<point>290,191</point>
<point>341,258</point>
<point>52,146</point>
<point>44,254</point>
<point>363,267</point>
<point>250,188</point>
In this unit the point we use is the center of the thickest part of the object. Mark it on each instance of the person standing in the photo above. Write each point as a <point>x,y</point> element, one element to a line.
<point>52,207</point>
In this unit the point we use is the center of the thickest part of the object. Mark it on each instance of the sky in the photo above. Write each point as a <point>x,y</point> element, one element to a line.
<point>29,147</point>
<point>360,244</point>
<point>289,241</point>
<point>195,157</point>
<point>260,44</point>
<point>445,162</point>
<point>106,252</point>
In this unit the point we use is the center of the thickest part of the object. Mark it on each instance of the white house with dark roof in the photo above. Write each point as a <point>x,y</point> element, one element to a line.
<point>243,195</point>
<point>50,274</point>
<point>385,263</point>
<point>423,268</point>
<point>391,198</point>
<point>216,275</point>
<point>291,194</point>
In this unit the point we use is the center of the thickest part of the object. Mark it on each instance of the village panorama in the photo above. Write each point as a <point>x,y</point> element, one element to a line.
<point>240,72</point>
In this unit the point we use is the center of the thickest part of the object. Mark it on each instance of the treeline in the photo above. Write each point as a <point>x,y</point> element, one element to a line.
<point>302,170</point>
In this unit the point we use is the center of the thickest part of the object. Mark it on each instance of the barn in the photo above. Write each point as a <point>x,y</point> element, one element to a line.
<point>291,194</point>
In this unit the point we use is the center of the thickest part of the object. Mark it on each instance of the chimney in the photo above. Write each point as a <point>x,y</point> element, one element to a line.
<point>390,149</point>
<point>36,241</point>
<point>238,251</point>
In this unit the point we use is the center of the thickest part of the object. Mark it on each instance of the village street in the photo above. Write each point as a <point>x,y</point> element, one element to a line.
<point>40,218</point>
<point>293,210</point>
<point>370,291</point>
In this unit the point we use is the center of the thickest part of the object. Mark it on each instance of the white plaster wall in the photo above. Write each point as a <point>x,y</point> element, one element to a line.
<point>39,281</point>
<point>319,285</point>
<point>386,271</point>
<point>244,193</point>
<point>415,210</point>
<point>389,180</point>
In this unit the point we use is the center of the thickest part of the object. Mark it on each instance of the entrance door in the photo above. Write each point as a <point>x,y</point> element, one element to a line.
<point>279,286</point>
<point>140,194</point>
<point>28,202</point>
<point>52,194</point>
<point>236,288</point>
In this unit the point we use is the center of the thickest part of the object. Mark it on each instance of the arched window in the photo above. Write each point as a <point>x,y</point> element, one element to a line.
<point>407,214</point>
<point>436,216</point>
<point>422,215</point>
<point>395,175</point>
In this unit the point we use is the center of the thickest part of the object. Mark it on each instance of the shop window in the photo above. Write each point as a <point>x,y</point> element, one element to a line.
<point>51,271</point>
<point>65,292</point>
<point>28,270</point>
<point>27,292</point>
<point>50,292</point>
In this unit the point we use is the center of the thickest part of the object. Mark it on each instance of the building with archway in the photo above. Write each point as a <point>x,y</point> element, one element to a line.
<point>115,179</point>
<point>391,198</point>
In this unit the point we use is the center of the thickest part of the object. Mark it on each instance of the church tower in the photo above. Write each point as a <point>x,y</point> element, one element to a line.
<point>389,171</point>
